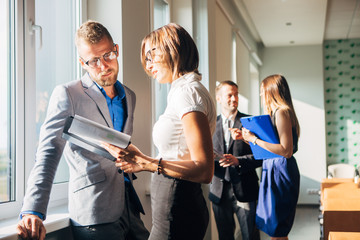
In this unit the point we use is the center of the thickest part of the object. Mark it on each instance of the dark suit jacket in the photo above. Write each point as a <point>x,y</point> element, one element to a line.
<point>243,178</point>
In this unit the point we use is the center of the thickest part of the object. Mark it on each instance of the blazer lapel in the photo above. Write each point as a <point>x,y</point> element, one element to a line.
<point>219,147</point>
<point>95,94</point>
<point>129,106</point>
<point>219,135</point>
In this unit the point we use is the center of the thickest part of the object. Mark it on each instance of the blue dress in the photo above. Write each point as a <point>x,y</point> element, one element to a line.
<point>279,192</point>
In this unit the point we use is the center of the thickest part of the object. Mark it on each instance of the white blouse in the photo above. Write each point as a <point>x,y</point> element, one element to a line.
<point>186,94</point>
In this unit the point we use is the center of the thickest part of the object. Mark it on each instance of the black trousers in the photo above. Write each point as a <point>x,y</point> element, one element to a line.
<point>128,227</point>
<point>179,209</point>
<point>244,211</point>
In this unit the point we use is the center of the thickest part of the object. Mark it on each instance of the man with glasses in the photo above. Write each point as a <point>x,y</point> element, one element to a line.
<point>102,201</point>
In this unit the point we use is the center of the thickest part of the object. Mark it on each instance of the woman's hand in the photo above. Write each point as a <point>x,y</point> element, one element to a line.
<point>130,160</point>
<point>284,129</point>
<point>247,135</point>
<point>128,167</point>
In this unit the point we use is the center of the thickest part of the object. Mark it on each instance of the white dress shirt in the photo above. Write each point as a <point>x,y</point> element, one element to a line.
<point>186,95</point>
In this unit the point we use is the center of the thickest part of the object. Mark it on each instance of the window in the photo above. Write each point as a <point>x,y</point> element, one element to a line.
<point>37,52</point>
<point>55,58</point>
<point>161,18</point>
<point>201,36</point>
<point>7,179</point>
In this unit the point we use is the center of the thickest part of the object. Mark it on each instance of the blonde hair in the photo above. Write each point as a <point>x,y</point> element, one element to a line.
<point>92,32</point>
<point>179,49</point>
<point>277,96</point>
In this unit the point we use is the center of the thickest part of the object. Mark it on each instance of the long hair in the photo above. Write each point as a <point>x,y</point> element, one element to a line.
<point>276,94</point>
<point>178,49</point>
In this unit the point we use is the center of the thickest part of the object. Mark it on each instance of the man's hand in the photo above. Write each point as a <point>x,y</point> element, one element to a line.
<point>229,160</point>
<point>31,227</point>
<point>236,134</point>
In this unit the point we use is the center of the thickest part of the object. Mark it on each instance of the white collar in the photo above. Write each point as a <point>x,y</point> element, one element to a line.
<point>231,118</point>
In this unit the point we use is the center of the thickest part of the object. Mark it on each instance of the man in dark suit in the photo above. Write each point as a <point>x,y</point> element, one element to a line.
<point>234,187</point>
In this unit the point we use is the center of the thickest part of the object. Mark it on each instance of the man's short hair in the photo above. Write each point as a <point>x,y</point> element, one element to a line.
<point>226,82</point>
<point>91,32</point>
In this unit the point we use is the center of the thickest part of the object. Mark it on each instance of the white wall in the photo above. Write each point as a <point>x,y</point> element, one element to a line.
<point>211,8</point>
<point>181,13</point>
<point>223,48</point>
<point>228,26</point>
<point>110,17</point>
<point>243,75</point>
<point>135,28</point>
<point>303,68</point>
<point>128,22</point>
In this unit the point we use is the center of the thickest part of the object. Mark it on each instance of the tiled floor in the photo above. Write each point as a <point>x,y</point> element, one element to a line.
<point>306,225</point>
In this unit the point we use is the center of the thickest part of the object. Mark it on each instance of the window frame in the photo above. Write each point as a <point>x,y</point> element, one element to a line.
<point>23,100</point>
<point>154,85</point>
<point>8,209</point>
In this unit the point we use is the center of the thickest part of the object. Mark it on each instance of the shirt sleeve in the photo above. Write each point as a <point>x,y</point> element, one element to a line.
<point>187,100</point>
<point>40,215</point>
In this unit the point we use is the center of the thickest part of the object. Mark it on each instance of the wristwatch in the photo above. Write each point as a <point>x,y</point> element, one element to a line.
<point>254,142</point>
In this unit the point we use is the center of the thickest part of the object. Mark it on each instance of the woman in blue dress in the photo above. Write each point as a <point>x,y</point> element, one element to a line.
<point>279,186</point>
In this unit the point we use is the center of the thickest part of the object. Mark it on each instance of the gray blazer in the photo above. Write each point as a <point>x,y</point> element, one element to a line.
<point>96,189</point>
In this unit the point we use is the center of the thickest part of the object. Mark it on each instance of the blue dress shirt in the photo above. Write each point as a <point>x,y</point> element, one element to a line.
<point>117,109</point>
<point>117,106</point>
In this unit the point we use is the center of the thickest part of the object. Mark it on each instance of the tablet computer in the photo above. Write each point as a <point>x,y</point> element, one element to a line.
<point>89,135</point>
<point>262,127</point>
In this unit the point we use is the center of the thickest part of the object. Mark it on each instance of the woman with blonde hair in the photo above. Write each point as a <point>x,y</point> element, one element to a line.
<point>182,135</point>
<point>279,186</point>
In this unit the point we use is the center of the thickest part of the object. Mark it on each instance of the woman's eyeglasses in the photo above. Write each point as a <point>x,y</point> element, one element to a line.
<point>149,56</point>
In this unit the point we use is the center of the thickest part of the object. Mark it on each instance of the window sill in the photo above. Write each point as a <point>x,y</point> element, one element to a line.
<point>56,219</point>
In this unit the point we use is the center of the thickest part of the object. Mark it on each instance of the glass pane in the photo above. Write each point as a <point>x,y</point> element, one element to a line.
<point>161,16</point>
<point>6,178</point>
<point>55,57</point>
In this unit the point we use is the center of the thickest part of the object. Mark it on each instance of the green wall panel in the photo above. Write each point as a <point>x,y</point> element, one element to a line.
<point>342,100</point>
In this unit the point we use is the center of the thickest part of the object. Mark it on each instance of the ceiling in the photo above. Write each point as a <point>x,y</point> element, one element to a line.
<point>300,22</point>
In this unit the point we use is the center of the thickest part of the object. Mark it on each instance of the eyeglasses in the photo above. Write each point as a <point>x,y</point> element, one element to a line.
<point>95,62</point>
<point>149,58</point>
